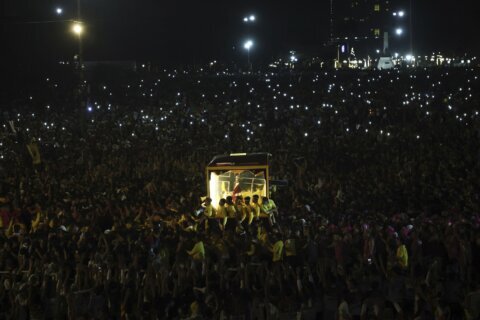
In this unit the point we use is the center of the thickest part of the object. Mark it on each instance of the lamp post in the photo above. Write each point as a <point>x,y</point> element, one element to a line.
<point>410,18</point>
<point>78,29</point>
<point>248,45</point>
<point>401,14</point>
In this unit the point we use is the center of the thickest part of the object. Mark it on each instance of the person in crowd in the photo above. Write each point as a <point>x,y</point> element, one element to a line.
<point>249,210</point>
<point>222,213</point>
<point>269,208</point>
<point>401,255</point>
<point>209,212</point>
<point>232,214</point>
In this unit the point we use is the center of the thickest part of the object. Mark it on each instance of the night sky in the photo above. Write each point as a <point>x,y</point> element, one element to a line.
<point>186,31</point>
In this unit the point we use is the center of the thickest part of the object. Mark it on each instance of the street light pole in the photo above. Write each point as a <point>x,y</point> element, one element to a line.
<point>80,44</point>
<point>248,45</point>
<point>411,26</point>
<point>81,87</point>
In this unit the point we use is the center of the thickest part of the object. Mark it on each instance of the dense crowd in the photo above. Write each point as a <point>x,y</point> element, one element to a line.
<point>379,219</point>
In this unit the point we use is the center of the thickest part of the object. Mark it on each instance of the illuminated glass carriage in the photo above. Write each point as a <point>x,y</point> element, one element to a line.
<point>238,174</point>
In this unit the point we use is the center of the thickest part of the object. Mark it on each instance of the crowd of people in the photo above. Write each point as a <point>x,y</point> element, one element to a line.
<point>101,186</point>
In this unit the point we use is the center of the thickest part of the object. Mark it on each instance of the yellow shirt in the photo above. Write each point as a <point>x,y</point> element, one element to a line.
<point>277,251</point>
<point>209,211</point>
<point>221,212</point>
<point>231,211</point>
<point>262,235</point>
<point>194,309</point>
<point>255,209</point>
<point>402,256</point>
<point>198,251</point>
<point>290,249</point>
<point>36,222</point>
<point>249,214</point>
<point>270,205</point>
<point>244,211</point>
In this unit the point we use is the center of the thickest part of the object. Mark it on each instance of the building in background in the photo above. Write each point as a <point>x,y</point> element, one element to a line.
<point>370,27</point>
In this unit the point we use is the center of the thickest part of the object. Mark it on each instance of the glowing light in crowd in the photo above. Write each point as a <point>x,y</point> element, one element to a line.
<point>59,10</point>
<point>399,31</point>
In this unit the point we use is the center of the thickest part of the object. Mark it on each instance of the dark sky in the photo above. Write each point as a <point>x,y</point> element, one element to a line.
<point>188,31</point>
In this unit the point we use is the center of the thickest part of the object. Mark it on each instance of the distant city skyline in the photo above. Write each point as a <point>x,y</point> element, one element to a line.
<point>189,31</point>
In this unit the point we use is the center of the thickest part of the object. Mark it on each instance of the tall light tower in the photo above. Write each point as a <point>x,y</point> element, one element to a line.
<point>248,45</point>
<point>77,29</point>
<point>331,21</point>
<point>399,31</point>
<point>79,34</point>
<point>411,26</point>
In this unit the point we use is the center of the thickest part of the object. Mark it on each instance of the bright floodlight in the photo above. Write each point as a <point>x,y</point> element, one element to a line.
<point>378,51</point>
<point>59,11</point>
<point>401,13</point>
<point>394,14</point>
<point>399,31</point>
<point>77,28</point>
<point>245,19</point>
<point>248,44</point>
<point>409,57</point>
<point>251,18</point>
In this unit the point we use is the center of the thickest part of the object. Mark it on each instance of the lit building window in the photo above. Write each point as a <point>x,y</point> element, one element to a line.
<point>376,7</point>
<point>376,32</point>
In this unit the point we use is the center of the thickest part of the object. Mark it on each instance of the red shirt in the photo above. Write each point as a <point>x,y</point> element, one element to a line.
<point>5,218</point>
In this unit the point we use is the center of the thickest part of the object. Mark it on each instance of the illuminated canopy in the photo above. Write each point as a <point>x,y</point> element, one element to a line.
<point>240,159</point>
